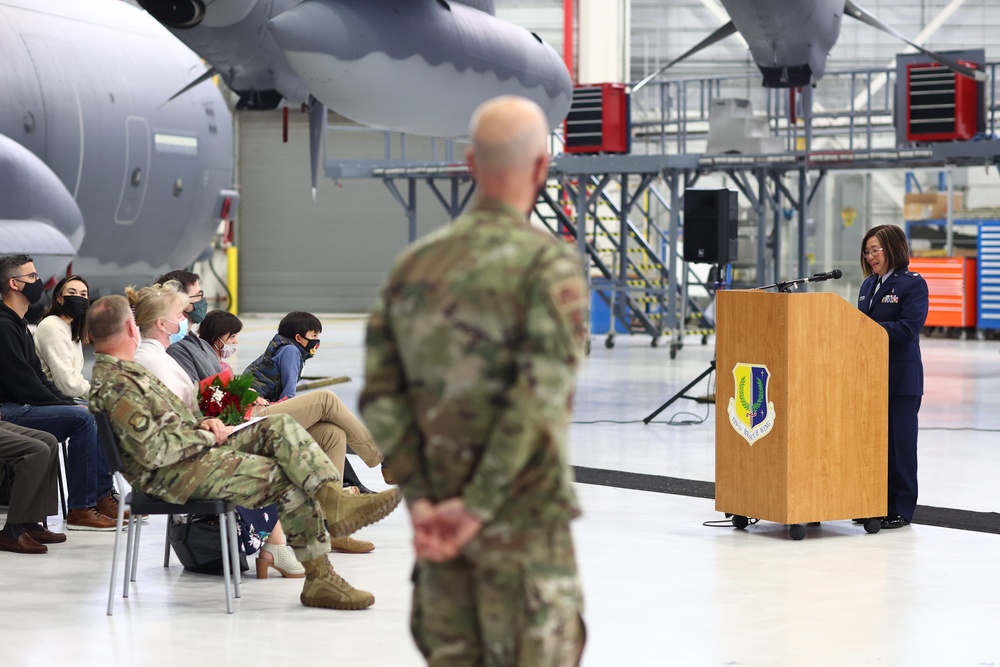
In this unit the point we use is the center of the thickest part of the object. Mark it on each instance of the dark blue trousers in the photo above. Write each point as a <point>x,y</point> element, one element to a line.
<point>903,455</point>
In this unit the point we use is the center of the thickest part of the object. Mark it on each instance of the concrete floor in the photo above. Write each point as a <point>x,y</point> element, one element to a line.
<point>661,589</point>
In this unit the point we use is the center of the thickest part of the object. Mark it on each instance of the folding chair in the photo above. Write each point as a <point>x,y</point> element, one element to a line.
<point>142,503</point>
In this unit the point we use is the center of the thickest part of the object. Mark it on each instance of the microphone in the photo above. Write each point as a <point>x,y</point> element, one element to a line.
<point>829,275</point>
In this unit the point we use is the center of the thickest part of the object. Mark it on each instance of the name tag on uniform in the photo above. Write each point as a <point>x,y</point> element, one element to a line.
<point>890,298</point>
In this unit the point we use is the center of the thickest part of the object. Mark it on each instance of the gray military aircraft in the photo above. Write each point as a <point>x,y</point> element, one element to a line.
<point>790,39</point>
<point>417,66</point>
<point>94,167</point>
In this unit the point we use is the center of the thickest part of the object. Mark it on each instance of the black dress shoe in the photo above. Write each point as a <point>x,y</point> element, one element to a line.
<point>894,521</point>
<point>22,545</point>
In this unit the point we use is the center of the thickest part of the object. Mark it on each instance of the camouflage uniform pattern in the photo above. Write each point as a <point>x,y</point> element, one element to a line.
<point>471,364</point>
<point>166,454</point>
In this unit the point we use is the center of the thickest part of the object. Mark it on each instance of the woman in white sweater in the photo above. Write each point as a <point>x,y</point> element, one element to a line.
<point>60,335</point>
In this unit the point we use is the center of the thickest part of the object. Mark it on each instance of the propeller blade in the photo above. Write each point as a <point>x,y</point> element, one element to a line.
<point>212,71</point>
<point>317,123</point>
<point>860,14</point>
<point>718,35</point>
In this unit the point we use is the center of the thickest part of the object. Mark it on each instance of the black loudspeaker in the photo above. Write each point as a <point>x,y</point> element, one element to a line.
<point>711,226</point>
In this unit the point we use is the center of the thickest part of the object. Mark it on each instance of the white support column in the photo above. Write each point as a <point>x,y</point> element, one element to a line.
<point>605,41</point>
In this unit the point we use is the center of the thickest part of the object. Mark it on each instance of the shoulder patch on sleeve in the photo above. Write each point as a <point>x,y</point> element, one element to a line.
<point>128,413</point>
<point>570,301</point>
<point>567,295</point>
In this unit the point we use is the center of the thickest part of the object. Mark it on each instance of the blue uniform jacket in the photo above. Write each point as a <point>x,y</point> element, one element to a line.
<point>901,307</point>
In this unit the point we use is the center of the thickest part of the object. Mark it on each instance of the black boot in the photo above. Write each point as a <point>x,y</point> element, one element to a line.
<point>351,478</point>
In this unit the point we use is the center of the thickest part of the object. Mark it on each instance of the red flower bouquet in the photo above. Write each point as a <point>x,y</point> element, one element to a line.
<point>226,397</point>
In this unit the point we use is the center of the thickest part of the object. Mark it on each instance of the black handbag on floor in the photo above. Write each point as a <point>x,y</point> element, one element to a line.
<point>196,543</point>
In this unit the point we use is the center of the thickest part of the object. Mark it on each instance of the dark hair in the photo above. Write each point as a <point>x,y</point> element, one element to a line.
<point>10,265</point>
<point>185,278</point>
<point>78,325</point>
<point>217,324</point>
<point>895,249</point>
<point>298,322</point>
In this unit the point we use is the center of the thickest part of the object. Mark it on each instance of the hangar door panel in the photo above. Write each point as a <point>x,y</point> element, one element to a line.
<point>327,256</point>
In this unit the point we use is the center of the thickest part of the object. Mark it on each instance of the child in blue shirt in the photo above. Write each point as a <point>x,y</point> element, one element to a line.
<point>276,372</point>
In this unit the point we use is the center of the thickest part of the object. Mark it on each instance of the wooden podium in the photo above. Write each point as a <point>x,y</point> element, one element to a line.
<point>801,427</point>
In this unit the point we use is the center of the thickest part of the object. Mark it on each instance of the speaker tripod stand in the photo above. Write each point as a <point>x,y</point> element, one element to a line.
<point>682,393</point>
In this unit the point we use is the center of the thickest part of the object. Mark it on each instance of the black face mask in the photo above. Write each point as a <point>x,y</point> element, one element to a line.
<point>311,346</point>
<point>33,291</point>
<point>75,306</point>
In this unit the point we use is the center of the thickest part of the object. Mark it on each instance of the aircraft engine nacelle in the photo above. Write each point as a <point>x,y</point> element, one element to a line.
<point>420,66</point>
<point>38,215</point>
<point>789,40</point>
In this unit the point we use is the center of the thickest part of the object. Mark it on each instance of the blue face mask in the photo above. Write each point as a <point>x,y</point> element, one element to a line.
<point>181,331</point>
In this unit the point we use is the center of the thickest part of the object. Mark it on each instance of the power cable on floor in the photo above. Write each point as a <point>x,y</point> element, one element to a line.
<point>726,523</point>
<point>673,421</point>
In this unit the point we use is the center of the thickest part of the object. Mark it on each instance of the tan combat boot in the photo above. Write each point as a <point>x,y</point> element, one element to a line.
<point>347,513</point>
<point>325,588</point>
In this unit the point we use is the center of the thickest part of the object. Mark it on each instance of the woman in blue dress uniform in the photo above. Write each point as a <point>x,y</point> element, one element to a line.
<point>897,299</point>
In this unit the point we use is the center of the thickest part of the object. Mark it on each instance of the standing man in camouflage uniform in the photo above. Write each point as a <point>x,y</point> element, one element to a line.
<point>471,364</point>
<point>170,453</point>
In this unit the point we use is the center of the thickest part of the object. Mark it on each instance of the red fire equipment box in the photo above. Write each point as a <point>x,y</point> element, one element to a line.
<point>940,104</point>
<point>599,120</point>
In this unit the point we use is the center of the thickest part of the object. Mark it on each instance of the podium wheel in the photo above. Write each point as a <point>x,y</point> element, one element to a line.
<point>796,531</point>
<point>873,525</point>
<point>740,522</point>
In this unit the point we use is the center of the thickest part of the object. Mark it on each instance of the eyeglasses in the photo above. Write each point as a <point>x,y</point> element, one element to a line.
<point>869,253</point>
<point>196,297</point>
<point>33,276</point>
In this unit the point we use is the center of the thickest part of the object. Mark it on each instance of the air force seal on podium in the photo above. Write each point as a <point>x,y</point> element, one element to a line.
<point>750,413</point>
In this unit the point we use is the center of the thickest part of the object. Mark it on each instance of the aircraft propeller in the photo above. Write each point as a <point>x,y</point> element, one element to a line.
<point>860,14</point>
<point>718,35</point>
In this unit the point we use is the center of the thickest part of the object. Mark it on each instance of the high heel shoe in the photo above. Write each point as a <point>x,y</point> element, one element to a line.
<point>284,562</point>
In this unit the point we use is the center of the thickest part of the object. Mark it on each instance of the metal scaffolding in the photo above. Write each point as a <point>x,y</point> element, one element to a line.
<point>624,212</point>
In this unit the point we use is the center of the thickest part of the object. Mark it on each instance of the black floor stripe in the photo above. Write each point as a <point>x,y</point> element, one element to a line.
<point>942,517</point>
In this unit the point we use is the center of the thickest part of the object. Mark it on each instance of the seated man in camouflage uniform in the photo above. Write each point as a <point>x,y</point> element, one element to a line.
<point>170,453</point>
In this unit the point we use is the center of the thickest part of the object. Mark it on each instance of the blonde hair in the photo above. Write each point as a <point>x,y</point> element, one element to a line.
<point>153,303</point>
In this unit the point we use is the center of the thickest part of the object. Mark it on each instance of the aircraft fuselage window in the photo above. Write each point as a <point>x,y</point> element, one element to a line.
<point>29,122</point>
<point>136,177</point>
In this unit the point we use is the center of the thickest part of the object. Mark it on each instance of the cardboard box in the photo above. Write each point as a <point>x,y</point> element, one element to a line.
<point>930,205</point>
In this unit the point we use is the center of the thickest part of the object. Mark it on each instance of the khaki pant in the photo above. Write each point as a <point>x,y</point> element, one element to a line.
<point>331,424</point>
<point>506,601</point>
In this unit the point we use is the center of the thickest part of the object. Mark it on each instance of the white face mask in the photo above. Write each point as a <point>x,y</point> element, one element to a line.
<point>228,350</point>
